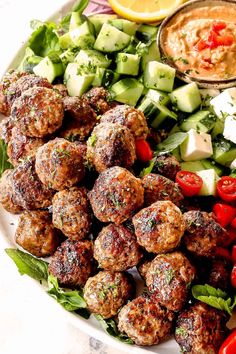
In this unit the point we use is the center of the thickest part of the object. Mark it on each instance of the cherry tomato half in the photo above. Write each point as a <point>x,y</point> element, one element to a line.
<point>233,276</point>
<point>226,188</point>
<point>231,239</point>
<point>224,213</point>
<point>233,223</point>
<point>143,150</point>
<point>229,345</point>
<point>189,182</point>
<point>233,256</point>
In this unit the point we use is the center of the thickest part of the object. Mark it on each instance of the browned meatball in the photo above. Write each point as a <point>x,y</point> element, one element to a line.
<point>59,164</point>
<point>98,99</point>
<point>131,117</point>
<point>79,120</point>
<point>24,83</point>
<point>5,83</point>
<point>106,292</point>
<point>159,227</point>
<point>203,234</point>
<point>157,187</point>
<point>6,127</point>
<point>71,213</point>
<point>219,274</point>
<point>73,263</point>
<point>143,268</point>
<point>166,165</point>
<point>21,146</point>
<point>38,112</point>
<point>29,191</point>
<point>201,329</point>
<point>116,248</point>
<point>61,89</point>
<point>145,321</point>
<point>36,233</point>
<point>7,195</point>
<point>116,195</point>
<point>111,145</point>
<point>168,279</point>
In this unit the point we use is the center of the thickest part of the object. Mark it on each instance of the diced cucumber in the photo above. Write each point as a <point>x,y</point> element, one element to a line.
<point>65,41</point>
<point>187,98</point>
<point>127,91</point>
<point>126,26</point>
<point>176,154</point>
<point>152,54</point>
<point>110,77</point>
<point>210,179</point>
<point>158,96</point>
<point>209,164</point>
<point>92,57</point>
<point>29,61</point>
<point>83,36</point>
<point>159,76</point>
<point>50,67</point>
<point>78,84</point>
<point>146,33</point>
<point>128,64</point>
<point>218,128</point>
<point>201,121</point>
<point>68,56</point>
<point>71,70</point>
<point>98,78</point>
<point>175,129</point>
<point>75,20</point>
<point>207,95</point>
<point>224,151</point>
<point>192,166</point>
<point>110,39</point>
<point>99,20</point>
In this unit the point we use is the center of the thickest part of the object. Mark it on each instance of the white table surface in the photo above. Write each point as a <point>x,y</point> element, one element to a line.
<point>28,325</point>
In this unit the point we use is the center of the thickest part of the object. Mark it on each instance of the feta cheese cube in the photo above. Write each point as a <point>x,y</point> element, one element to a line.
<point>196,146</point>
<point>210,179</point>
<point>225,103</point>
<point>230,128</point>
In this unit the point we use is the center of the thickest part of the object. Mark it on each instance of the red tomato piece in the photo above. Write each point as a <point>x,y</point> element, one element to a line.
<point>212,40</point>
<point>227,40</point>
<point>229,345</point>
<point>233,223</point>
<point>218,26</point>
<point>223,253</point>
<point>233,255</point>
<point>231,239</point>
<point>224,213</point>
<point>189,182</point>
<point>201,44</point>
<point>226,188</point>
<point>233,276</point>
<point>143,150</point>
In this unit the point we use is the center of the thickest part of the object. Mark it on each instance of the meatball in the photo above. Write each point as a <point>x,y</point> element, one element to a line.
<point>130,117</point>
<point>7,195</point>
<point>38,112</point>
<point>73,263</point>
<point>111,145</point>
<point>61,89</point>
<point>98,99</point>
<point>116,248</point>
<point>201,329</point>
<point>24,83</point>
<point>166,165</point>
<point>36,233</point>
<point>29,192</point>
<point>59,164</point>
<point>159,227</point>
<point>21,146</point>
<point>6,127</point>
<point>116,195</point>
<point>157,187</point>
<point>79,119</point>
<point>203,234</point>
<point>106,292</point>
<point>168,278</point>
<point>145,321</point>
<point>5,83</point>
<point>143,268</point>
<point>219,274</point>
<point>71,213</point>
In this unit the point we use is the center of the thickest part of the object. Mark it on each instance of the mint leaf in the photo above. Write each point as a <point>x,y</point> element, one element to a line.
<point>148,169</point>
<point>110,327</point>
<point>4,163</point>
<point>171,143</point>
<point>27,264</point>
<point>71,300</point>
<point>207,290</point>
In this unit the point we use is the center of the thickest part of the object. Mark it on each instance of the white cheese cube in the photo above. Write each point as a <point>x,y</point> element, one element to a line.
<point>233,164</point>
<point>225,103</point>
<point>210,179</point>
<point>196,146</point>
<point>230,128</point>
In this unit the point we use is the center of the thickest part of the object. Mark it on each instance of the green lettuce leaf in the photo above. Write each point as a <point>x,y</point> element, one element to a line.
<point>110,327</point>
<point>171,143</point>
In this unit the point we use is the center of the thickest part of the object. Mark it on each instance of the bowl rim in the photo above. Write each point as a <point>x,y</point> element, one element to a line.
<point>181,74</point>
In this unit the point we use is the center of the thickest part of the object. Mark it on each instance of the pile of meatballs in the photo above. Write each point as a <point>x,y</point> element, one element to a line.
<point>75,186</point>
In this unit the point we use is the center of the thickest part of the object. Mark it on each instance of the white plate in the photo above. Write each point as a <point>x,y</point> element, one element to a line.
<point>91,326</point>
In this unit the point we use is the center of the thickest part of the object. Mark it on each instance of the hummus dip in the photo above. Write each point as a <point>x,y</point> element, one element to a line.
<point>201,42</point>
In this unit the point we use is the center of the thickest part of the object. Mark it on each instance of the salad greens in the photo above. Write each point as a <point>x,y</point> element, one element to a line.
<point>4,163</point>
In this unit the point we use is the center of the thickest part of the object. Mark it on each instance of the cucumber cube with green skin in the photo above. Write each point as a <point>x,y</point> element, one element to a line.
<point>75,21</point>
<point>128,64</point>
<point>78,84</point>
<point>210,179</point>
<point>126,26</point>
<point>98,77</point>
<point>187,98</point>
<point>218,128</point>
<point>209,164</point>
<point>152,54</point>
<point>68,56</point>
<point>146,33</point>
<point>93,57</point>
<point>99,20</point>
<point>224,151</point>
<point>192,166</point>
<point>202,121</point>
<point>158,97</point>
<point>110,77</point>
<point>71,70</point>
<point>127,91</point>
<point>110,39</point>
<point>159,76</point>
<point>49,67</point>
<point>65,41</point>
<point>82,36</point>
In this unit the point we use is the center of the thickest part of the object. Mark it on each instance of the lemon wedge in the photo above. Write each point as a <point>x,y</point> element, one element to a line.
<point>144,10</point>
